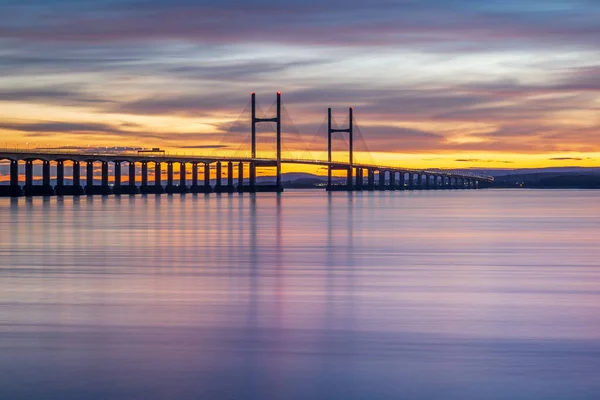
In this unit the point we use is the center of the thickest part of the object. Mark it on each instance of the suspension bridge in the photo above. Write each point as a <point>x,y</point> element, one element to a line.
<point>222,171</point>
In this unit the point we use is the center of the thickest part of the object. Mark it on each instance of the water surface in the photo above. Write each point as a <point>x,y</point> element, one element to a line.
<point>491,294</point>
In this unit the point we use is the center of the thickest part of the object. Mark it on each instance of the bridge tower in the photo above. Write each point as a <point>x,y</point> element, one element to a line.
<point>255,120</point>
<point>350,132</point>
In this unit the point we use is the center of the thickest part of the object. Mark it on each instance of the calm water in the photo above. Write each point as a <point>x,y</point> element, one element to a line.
<point>422,295</point>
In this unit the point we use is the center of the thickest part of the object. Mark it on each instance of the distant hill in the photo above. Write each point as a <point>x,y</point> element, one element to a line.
<point>562,179</point>
<point>523,171</point>
<point>556,177</point>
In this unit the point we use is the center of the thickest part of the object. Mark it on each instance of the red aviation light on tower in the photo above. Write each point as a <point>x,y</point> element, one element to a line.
<point>279,93</point>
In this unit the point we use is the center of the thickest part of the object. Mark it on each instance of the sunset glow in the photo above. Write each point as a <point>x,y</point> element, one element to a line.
<point>434,83</point>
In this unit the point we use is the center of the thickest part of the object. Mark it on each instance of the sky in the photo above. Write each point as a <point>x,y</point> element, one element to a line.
<point>433,83</point>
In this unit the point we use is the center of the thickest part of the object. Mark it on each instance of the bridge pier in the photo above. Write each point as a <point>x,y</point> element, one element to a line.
<point>194,187</point>
<point>61,189</point>
<point>230,187</point>
<point>370,179</point>
<point>157,188</point>
<point>131,187</point>
<point>77,188</point>
<point>359,180</point>
<point>117,183</point>
<point>392,180</point>
<point>36,190</point>
<point>183,188</point>
<point>60,174</point>
<point>14,190</point>
<point>207,187</point>
<point>252,185</point>
<point>218,188</point>
<point>144,184</point>
<point>169,187</point>
<point>349,172</point>
<point>381,185</point>
<point>89,177</point>
<point>240,185</point>
<point>105,188</point>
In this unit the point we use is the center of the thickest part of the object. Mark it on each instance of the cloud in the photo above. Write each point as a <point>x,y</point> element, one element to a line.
<point>435,23</point>
<point>216,146</point>
<point>478,160</point>
<point>426,75</point>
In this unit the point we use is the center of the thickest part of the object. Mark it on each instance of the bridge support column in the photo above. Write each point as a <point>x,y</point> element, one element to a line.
<point>158,188</point>
<point>218,188</point>
<point>117,166</point>
<point>28,173</point>
<point>411,181</point>
<point>104,173</point>
<point>77,188</point>
<point>105,186</point>
<point>131,187</point>
<point>359,179</point>
<point>230,188</point>
<point>60,174</point>
<point>252,177</point>
<point>15,189</point>
<point>392,180</point>
<point>381,180</point>
<point>402,181</point>
<point>183,178</point>
<point>240,186</point>
<point>349,178</point>
<point>28,188</point>
<point>131,179</point>
<point>169,188</point>
<point>46,173</point>
<point>89,178</point>
<point>47,189</point>
<point>207,188</point>
<point>194,188</point>
<point>144,184</point>
<point>370,179</point>
<point>157,174</point>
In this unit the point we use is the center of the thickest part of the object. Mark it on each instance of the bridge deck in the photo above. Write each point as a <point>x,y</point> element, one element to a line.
<point>108,156</point>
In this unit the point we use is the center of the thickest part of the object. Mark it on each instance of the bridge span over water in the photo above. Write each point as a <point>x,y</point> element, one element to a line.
<point>214,173</point>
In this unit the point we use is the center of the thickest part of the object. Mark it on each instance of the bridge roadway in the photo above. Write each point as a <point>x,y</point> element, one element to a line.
<point>358,176</point>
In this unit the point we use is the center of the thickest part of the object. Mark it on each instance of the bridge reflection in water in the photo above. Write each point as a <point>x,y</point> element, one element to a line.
<point>231,174</point>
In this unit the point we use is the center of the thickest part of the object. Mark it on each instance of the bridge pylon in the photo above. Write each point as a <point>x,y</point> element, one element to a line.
<point>350,132</point>
<point>255,120</point>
